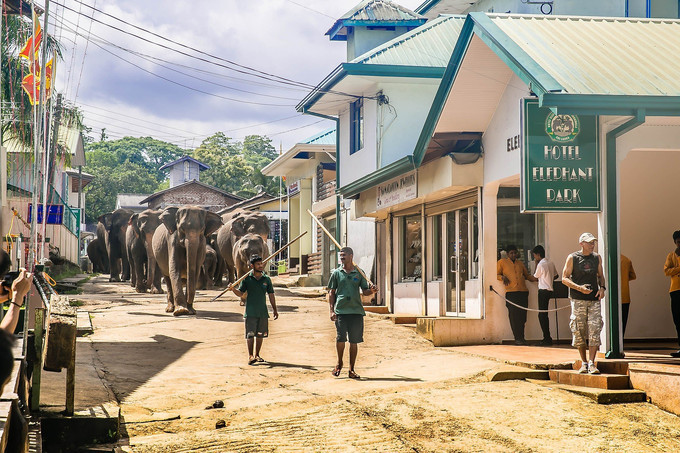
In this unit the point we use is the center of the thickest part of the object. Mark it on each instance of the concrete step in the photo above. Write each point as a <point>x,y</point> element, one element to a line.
<point>615,366</point>
<point>380,309</point>
<point>403,319</point>
<point>600,396</point>
<point>84,323</point>
<point>660,381</point>
<point>596,381</point>
<point>513,373</point>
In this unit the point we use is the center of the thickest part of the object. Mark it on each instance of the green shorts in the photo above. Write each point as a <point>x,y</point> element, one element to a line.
<point>349,326</point>
<point>257,327</point>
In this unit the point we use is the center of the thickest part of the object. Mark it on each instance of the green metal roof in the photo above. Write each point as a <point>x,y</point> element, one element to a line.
<point>428,45</point>
<point>591,55</point>
<point>374,13</point>
<point>326,137</point>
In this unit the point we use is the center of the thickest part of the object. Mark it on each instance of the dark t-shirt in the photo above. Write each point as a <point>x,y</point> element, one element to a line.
<point>257,289</point>
<point>584,272</point>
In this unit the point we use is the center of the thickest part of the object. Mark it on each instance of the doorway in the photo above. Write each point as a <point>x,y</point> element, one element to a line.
<point>461,265</point>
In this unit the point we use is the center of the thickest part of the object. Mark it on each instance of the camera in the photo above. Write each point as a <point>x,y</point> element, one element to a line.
<point>9,278</point>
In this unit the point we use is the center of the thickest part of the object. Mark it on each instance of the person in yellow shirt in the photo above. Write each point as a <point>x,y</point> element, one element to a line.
<point>672,269</point>
<point>513,274</point>
<point>627,274</point>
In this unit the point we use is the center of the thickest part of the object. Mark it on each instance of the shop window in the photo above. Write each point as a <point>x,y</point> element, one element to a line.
<point>516,228</point>
<point>653,8</point>
<point>437,247</point>
<point>411,269</point>
<point>356,130</point>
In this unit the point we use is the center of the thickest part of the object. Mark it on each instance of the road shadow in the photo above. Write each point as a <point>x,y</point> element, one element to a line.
<point>287,308</point>
<point>391,379</point>
<point>200,314</point>
<point>285,365</point>
<point>129,365</point>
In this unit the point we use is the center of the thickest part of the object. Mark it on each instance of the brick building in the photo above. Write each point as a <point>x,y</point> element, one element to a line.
<point>192,193</point>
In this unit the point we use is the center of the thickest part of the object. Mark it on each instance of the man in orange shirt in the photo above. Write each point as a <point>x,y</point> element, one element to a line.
<point>672,269</point>
<point>513,273</point>
<point>627,274</point>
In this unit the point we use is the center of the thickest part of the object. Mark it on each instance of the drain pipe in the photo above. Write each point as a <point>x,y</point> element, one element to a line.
<point>612,236</point>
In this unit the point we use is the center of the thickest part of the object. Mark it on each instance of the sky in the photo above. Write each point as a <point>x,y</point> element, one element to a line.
<point>132,87</point>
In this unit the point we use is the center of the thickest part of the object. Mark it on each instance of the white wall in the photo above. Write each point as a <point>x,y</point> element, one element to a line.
<point>360,236</point>
<point>362,162</point>
<point>505,124</point>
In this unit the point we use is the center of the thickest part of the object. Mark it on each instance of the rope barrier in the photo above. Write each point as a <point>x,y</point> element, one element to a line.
<point>530,309</point>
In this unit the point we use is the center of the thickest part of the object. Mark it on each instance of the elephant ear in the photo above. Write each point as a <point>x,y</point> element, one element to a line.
<point>106,220</point>
<point>213,222</point>
<point>134,222</point>
<point>169,218</point>
<point>238,226</point>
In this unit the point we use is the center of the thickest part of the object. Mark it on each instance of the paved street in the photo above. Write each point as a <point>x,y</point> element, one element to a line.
<point>164,371</point>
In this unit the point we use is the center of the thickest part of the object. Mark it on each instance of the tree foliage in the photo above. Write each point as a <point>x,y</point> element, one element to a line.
<point>236,166</point>
<point>127,165</point>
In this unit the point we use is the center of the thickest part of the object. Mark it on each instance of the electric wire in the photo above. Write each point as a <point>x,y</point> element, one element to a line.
<point>82,64</point>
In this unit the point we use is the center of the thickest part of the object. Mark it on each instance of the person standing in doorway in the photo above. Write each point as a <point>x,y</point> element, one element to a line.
<point>347,311</point>
<point>513,274</point>
<point>584,277</point>
<point>546,273</point>
<point>627,274</point>
<point>672,269</point>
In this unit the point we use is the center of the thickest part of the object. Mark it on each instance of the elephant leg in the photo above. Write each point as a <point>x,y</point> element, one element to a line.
<point>133,279</point>
<point>115,268</point>
<point>125,268</point>
<point>156,284</point>
<point>177,290</point>
<point>137,274</point>
<point>171,300</point>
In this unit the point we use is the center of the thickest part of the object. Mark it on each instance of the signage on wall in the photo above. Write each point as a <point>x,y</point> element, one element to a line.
<point>293,188</point>
<point>397,190</point>
<point>560,161</point>
<point>55,214</point>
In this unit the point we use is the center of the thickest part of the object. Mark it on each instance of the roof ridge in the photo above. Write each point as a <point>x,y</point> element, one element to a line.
<point>364,4</point>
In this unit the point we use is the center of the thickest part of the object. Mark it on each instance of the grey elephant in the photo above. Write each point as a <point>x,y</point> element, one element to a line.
<point>96,251</point>
<point>208,269</point>
<point>220,263</point>
<point>247,246</point>
<point>238,224</point>
<point>144,272</point>
<point>179,249</point>
<point>115,225</point>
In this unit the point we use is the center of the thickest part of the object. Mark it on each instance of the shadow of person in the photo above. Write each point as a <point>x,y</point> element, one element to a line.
<point>391,379</point>
<point>287,365</point>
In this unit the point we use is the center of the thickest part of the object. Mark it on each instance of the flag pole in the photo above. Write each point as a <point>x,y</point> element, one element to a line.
<point>264,261</point>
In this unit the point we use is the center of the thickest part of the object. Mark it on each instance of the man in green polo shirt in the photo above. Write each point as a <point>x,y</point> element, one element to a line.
<point>346,308</point>
<point>255,286</point>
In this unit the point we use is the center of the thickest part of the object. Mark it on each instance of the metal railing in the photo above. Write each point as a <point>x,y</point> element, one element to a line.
<point>71,217</point>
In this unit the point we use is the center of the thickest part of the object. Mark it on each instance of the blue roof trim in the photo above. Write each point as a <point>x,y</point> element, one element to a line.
<point>201,165</point>
<point>302,155</point>
<point>425,7</point>
<point>326,137</point>
<point>328,166</point>
<point>610,104</point>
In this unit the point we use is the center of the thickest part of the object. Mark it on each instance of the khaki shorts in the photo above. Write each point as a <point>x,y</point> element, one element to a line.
<point>585,322</point>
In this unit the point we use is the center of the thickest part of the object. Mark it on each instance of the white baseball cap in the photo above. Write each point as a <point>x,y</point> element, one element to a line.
<point>587,237</point>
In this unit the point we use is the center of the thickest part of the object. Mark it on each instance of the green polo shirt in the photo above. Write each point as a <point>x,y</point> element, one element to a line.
<point>257,289</point>
<point>346,286</point>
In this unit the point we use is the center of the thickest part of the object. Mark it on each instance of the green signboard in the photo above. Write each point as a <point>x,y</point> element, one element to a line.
<point>560,161</point>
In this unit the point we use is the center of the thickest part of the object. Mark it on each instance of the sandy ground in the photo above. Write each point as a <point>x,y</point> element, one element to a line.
<point>165,371</point>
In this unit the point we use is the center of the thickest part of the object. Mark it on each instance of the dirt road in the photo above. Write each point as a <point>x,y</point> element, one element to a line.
<point>165,371</point>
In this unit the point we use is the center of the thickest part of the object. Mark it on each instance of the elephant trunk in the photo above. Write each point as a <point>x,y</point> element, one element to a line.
<point>151,261</point>
<point>193,246</point>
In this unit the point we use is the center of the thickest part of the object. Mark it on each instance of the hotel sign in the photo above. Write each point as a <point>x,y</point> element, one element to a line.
<point>397,190</point>
<point>560,161</point>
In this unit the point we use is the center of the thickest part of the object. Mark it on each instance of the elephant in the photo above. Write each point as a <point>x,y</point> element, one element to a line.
<point>237,224</point>
<point>208,269</point>
<point>96,251</point>
<point>144,271</point>
<point>179,248</point>
<point>115,224</point>
<point>220,263</point>
<point>247,246</point>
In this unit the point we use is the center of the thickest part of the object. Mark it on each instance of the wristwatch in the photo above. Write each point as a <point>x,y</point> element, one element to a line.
<point>603,287</point>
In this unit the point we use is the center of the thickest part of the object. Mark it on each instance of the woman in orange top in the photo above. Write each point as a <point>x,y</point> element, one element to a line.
<point>672,269</point>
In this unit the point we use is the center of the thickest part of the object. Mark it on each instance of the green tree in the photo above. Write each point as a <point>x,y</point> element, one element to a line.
<point>127,165</point>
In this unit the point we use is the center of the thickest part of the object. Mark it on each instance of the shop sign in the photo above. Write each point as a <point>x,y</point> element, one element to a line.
<point>560,161</point>
<point>293,188</point>
<point>397,190</point>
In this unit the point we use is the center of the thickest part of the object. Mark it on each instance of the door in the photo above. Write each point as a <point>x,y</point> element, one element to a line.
<point>458,231</point>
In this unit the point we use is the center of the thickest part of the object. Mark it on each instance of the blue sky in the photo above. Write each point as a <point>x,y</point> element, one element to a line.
<point>282,37</point>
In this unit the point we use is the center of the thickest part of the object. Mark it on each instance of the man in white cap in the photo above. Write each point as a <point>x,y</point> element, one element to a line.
<point>583,276</point>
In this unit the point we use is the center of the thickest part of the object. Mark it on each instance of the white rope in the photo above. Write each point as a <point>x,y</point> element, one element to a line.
<point>530,309</point>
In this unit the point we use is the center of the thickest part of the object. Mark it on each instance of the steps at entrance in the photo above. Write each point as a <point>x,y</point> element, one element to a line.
<point>380,309</point>
<point>598,381</point>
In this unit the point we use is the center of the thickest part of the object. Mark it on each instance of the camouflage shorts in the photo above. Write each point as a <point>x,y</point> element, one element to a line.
<point>585,322</point>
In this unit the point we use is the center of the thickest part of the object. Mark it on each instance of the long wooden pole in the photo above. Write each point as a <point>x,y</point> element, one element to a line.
<point>330,236</point>
<point>264,261</point>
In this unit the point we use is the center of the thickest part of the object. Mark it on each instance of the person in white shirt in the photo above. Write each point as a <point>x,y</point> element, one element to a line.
<point>546,273</point>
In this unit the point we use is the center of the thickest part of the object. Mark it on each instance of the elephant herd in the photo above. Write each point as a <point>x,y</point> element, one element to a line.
<point>191,247</point>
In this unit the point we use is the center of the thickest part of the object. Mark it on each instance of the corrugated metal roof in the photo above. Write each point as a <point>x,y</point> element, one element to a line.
<point>326,137</point>
<point>379,10</point>
<point>591,55</point>
<point>428,45</point>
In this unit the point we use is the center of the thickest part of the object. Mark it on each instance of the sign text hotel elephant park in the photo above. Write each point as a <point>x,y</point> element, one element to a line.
<point>560,161</point>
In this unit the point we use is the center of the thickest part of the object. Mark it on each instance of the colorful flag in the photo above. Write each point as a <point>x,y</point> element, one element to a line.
<point>31,84</point>
<point>33,42</point>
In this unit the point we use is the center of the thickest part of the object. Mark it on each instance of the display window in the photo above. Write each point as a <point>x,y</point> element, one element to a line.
<point>523,230</point>
<point>411,269</point>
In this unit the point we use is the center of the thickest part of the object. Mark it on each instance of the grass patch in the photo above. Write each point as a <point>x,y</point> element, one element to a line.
<point>76,303</point>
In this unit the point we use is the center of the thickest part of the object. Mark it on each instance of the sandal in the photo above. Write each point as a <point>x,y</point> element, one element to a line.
<point>259,359</point>
<point>336,370</point>
<point>252,361</point>
<point>353,375</point>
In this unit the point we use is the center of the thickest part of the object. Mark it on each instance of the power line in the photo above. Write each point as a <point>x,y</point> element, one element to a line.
<point>310,9</point>
<point>82,64</point>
